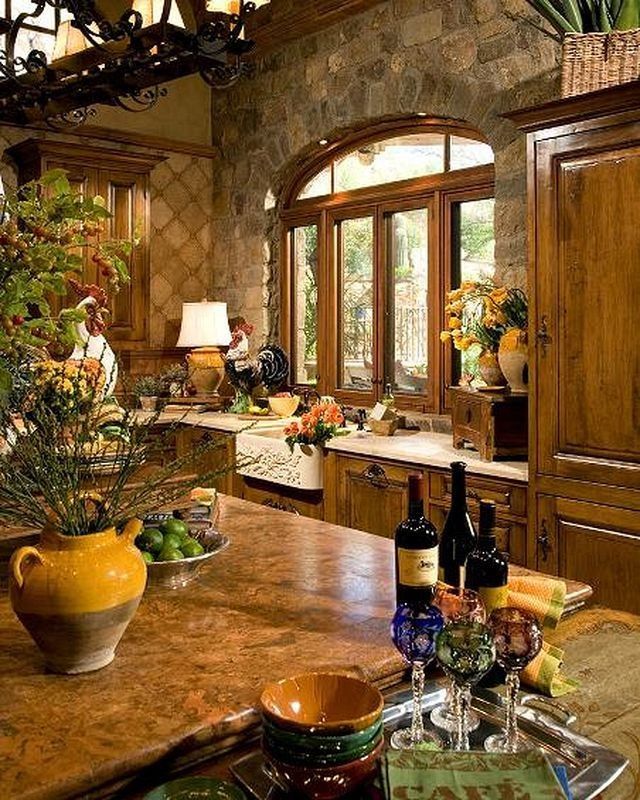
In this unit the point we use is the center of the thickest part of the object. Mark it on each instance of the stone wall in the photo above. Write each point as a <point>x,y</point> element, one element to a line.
<point>463,59</point>
<point>180,242</point>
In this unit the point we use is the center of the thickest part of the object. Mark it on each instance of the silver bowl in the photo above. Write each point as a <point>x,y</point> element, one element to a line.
<point>176,574</point>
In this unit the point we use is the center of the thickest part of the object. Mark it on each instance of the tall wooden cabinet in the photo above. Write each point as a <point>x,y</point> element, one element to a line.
<point>122,179</point>
<point>584,188</point>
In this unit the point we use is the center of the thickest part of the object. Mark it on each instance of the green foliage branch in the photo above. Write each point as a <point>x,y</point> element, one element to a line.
<point>589,16</point>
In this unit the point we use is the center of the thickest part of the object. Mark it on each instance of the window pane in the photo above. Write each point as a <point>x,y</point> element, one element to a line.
<point>406,360</point>
<point>47,18</point>
<point>28,40</point>
<point>355,237</point>
<point>392,160</point>
<point>305,277</point>
<point>469,153</point>
<point>317,186</point>
<point>474,258</point>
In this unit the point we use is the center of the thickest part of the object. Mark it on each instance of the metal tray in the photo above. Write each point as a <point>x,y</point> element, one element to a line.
<point>590,767</point>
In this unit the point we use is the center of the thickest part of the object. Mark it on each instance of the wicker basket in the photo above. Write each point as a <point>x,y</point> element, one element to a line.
<point>592,61</point>
<point>383,427</point>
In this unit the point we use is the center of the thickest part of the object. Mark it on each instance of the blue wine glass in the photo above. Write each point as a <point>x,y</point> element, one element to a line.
<point>413,630</point>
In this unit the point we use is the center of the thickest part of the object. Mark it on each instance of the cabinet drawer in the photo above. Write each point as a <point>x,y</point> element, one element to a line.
<point>510,497</point>
<point>467,414</point>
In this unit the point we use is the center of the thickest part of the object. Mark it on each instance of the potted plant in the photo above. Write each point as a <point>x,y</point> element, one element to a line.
<point>72,461</point>
<point>600,40</point>
<point>490,322</point>
<point>147,389</point>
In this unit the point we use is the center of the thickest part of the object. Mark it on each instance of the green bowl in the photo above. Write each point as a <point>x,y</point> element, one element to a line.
<point>196,788</point>
<point>315,759</point>
<point>319,743</point>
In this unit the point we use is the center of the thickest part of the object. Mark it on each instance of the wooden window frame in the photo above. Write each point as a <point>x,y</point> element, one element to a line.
<point>438,192</point>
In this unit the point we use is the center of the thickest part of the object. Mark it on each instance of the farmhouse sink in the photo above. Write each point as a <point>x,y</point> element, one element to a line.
<point>263,453</point>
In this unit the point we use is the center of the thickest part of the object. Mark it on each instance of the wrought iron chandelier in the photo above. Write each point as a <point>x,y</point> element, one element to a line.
<point>121,62</point>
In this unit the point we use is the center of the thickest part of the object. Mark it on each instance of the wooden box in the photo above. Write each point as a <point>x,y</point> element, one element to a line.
<point>494,423</point>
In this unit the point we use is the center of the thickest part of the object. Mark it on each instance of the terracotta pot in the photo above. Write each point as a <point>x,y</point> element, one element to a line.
<point>148,403</point>
<point>489,369</point>
<point>513,356</point>
<point>77,594</point>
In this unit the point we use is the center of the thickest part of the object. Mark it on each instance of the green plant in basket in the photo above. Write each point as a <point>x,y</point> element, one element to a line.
<point>589,16</point>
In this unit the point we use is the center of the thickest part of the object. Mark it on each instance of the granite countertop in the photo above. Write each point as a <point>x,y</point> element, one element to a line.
<point>410,447</point>
<point>289,595</point>
<point>190,668</point>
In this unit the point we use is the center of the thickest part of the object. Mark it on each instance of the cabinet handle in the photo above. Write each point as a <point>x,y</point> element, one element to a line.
<point>542,334</point>
<point>376,476</point>
<point>544,543</point>
<point>472,494</point>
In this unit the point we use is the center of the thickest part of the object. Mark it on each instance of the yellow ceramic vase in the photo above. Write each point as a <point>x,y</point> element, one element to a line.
<point>77,594</point>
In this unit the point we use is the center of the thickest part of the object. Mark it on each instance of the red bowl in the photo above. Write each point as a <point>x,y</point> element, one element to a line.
<point>325,783</point>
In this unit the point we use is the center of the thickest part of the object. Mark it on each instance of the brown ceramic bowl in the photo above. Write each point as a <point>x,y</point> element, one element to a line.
<point>325,783</point>
<point>322,702</point>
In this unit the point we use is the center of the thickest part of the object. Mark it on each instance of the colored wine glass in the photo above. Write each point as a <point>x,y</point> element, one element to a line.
<point>466,652</point>
<point>456,603</point>
<point>518,640</point>
<point>413,630</point>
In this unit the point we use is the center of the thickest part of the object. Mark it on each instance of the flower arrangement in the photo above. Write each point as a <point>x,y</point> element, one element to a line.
<point>44,230</point>
<point>68,387</point>
<point>480,313</point>
<point>317,426</point>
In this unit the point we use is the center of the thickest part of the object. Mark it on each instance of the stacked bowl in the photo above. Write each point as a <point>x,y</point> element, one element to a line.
<point>323,733</point>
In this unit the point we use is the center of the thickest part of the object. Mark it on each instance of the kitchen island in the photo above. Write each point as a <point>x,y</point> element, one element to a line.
<point>288,595</point>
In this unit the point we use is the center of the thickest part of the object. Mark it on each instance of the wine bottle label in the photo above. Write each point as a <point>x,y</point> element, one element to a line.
<point>494,597</point>
<point>418,567</point>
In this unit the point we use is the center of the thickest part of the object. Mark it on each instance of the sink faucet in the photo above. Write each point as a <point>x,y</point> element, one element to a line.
<point>362,415</point>
<point>306,395</point>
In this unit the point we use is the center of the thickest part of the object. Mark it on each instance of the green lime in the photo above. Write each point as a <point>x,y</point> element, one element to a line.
<point>150,539</point>
<point>190,547</point>
<point>171,541</point>
<point>170,554</point>
<point>175,526</point>
<point>147,557</point>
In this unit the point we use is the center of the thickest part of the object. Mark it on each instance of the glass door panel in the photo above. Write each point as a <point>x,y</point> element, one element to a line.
<point>304,259</point>
<point>356,267</point>
<point>473,260</point>
<point>406,352</point>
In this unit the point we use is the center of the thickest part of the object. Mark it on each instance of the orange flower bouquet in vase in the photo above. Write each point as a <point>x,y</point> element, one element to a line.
<point>484,321</point>
<point>316,427</point>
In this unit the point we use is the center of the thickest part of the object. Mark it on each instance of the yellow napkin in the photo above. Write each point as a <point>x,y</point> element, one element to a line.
<point>543,597</point>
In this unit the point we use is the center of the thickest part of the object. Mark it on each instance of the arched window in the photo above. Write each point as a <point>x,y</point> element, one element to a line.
<point>376,229</point>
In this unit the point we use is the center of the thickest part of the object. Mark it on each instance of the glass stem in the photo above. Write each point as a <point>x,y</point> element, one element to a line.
<point>417,689</point>
<point>461,704</point>
<point>512,685</point>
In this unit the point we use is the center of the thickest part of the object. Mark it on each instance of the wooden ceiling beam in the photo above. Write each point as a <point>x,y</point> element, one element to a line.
<point>283,21</point>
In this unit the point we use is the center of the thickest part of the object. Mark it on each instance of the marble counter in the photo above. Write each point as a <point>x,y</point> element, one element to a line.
<point>289,595</point>
<point>419,448</point>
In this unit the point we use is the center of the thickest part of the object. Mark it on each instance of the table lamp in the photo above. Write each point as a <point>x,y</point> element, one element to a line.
<point>205,328</point>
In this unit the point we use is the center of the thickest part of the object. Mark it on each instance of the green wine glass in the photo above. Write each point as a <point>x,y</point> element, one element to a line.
<point>466,651</point>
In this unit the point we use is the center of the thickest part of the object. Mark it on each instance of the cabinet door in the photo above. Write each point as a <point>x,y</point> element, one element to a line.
<point>372,497</point>
<point>596,544</point>
<point>587,284</point>
<point>511,534</point>
<point>219,457</point>
<point>127,198</point>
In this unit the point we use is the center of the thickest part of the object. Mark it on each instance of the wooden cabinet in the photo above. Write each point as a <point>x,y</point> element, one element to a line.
<point>283,498</point>
<point>372,496</point>
<point>220,457</point>
<point>584,190</point>
<point>122,179</point>
<point>596,544</point>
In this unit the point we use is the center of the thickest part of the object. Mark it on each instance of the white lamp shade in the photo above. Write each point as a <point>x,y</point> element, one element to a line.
<point>151,11</point>
<point>204,325</point>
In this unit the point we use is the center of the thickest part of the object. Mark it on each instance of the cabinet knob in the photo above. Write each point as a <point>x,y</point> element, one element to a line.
<point>544,543</point>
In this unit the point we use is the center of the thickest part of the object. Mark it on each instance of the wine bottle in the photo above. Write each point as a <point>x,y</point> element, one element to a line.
<point>416,546</point>
<point>487,568</point>
<point>458,536</point>
<point>388,399</point>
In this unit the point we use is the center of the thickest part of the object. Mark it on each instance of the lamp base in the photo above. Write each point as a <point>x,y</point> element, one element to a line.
<point>206,370</point>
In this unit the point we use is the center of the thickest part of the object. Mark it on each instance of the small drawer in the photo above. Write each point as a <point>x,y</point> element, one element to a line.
<point>510,497</point>
<point>467,414</point>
